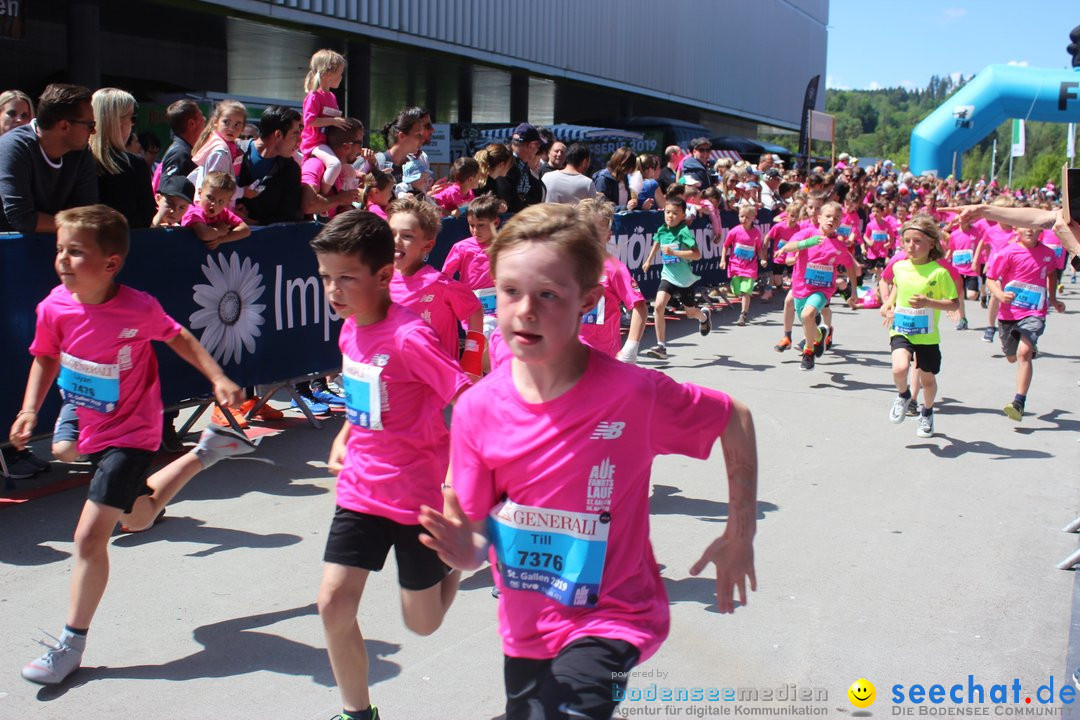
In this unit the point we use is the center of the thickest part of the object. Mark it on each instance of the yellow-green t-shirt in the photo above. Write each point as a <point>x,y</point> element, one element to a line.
<point>920,325</point>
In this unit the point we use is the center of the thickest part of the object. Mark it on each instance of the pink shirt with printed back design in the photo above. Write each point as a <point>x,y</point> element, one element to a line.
<point>962,245</point>
<point>442,303</point>
<point>108,368</point>
<point>564,488</point>
<point>398,379</point>
<point>600,328</point>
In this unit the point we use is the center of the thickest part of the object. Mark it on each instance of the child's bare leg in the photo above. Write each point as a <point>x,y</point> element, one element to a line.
<point>164,484</point>
<point>929,388</point>
<point>901,363</point>
<point>660,323</point>
<point>1024,370</point>
<point>810,328</point>
<point>91,572</point>
<point>339,600</point>
<point>745,304</point>
<point>424,610</point>
<point>789,312</point>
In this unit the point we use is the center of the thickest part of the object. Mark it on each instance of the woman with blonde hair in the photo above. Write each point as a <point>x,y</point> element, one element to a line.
<point>16,108</point>
<point>123,177</point>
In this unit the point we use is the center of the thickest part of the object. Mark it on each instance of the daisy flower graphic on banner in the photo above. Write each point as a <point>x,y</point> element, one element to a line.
<point>228,309</point>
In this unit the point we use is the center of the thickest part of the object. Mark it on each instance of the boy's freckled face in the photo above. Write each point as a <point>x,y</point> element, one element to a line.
<point>80,263</point>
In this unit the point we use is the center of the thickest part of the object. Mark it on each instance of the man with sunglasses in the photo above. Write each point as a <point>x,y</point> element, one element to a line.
<point>46,165</point>
<point>695,166</point>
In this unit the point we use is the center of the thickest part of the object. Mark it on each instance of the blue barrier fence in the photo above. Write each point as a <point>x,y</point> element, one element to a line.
<point>257,305</point>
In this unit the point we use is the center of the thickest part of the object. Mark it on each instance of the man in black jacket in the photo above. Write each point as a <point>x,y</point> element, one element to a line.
<point>269,174</point>
<point>519,188</point>
<point>186,121</point>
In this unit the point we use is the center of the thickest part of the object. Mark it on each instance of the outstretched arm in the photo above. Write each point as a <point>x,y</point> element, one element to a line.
<point>733,552</point>
<point>43,372</point>
<point>188,348</point>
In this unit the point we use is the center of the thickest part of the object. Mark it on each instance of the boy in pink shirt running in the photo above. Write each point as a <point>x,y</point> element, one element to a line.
<point>551,473</point>
<point>392,453</point>
<point>93,337</point>
<point>468,258</point>
<point>1021,278</point>
<point>441,302</point>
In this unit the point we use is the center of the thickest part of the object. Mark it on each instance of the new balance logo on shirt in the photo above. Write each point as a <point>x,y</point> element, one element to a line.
<point>128,333</point>
<point>608,430</point>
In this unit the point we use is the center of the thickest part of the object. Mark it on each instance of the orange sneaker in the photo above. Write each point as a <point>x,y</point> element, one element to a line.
<point>265,412</point>
<point>218,418</point>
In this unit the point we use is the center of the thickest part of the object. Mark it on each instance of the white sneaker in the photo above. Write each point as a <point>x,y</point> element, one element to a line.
<point>898,410</point>
<point>217,443</point>
<point>926,426</point>
<point>59,661</point>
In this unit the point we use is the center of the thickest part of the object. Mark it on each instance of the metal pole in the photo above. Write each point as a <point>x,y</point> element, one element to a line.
<point>993,161</point>
<point>1010,170</point>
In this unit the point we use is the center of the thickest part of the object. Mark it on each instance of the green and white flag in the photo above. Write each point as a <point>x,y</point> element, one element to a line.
<point>1018,138</point>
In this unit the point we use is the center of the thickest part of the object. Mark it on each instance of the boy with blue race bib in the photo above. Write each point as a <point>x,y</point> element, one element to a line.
<point>392,453</point>
<point>1021,277</point>
<point>551,459</point>
<point>921,289</point>
<point>93,337</point>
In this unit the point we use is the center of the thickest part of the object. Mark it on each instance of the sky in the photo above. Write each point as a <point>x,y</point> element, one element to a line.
<point>880,43</point>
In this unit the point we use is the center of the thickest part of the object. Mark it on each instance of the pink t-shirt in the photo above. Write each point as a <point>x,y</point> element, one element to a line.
<point>815,268</point>
<point>996,236</point>
<point>743,250</point>
<point>1052,241</point>
<point>853,223</point>
<point>108,368</point>
<point>377,210</point>
<point>397,381</point>
<point>442,303</point>
<point>196,214</point>
<point>311,174</point>
<point>580,463</point>
<point>780,234</point>
<point>962,244</point>
<point>450,198</point>
<point>879,238</point>
<point>1022,271</point>
<point>600,327</point>
<point>469,261</point>
<point>317,104</point>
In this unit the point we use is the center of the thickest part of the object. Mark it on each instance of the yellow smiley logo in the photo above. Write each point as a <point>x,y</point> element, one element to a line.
<point>862,693</point>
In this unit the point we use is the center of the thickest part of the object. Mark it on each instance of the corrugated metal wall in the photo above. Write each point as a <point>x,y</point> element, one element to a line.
<point>751,58</point>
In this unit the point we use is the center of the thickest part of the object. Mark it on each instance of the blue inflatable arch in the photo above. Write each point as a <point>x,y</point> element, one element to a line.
<point>996,94</point>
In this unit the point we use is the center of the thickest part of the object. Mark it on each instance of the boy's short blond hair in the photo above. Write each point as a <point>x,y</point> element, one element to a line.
<point>599,210</point>
<point>219,181</point>
<point>426,214</point>
<point>561,227</point>
<point>110,228</point>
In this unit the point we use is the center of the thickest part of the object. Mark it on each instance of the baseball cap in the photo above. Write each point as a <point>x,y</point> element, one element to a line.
<point>525,133</point>
<point>772,173</point>
<point>177,186</point>
<point>701,142</point>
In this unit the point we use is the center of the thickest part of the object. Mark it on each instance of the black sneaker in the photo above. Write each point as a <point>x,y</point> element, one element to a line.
<point>1014,411</point>
<point>807,361</point>
<point>41,465</point>
<point>706,324</point>
<point>18,466</point>
<point>170,440</point>
<point>912,408</point>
